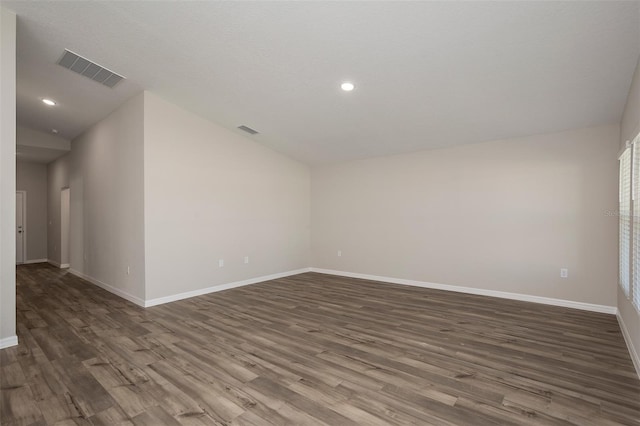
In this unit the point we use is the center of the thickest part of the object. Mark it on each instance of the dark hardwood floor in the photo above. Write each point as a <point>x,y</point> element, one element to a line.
<point>309,349</point>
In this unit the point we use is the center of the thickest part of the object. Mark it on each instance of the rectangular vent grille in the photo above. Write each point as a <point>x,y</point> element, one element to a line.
<point>85,67</point>
<point>248,130</point>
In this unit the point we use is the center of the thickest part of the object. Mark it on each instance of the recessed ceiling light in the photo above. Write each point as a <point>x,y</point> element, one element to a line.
<point>49,102</point>
<point>347,86</point>
<point>54,130</point>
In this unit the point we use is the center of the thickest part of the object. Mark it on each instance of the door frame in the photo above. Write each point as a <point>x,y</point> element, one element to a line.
<point>65,229</point>
<point>24,225</point>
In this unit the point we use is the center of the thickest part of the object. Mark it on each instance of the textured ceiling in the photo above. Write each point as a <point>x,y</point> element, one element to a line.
<point>428,74</point>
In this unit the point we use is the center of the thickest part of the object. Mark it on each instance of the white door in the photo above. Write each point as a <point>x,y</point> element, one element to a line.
<point>20,226</point>
<point>64,227</point>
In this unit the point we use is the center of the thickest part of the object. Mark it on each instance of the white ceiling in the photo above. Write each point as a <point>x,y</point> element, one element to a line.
<point>428,74</point>
<point>36,154</point>
<point>39,147</point>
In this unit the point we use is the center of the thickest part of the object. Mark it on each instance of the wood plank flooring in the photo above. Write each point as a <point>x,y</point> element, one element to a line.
<point>309,350</point>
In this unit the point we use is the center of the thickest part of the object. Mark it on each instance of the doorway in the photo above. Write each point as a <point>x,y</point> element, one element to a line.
<point>65,198</point>
<point>21,226</point>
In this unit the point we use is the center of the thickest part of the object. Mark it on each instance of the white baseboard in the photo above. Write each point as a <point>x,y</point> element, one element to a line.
<point>174,297</point>
<point>7,342</point>
<point>627,338</point>
<point>188,294</point>
<point>482,292</point>
<point>28,262</point>
<point>131,298</point>
<point>58,265</point>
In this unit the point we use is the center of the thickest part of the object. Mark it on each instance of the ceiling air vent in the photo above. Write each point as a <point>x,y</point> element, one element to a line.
<point>85,67</point>
<point>248,130</point>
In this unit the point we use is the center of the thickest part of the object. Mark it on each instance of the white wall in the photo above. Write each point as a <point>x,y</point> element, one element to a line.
<point>629,128</point>
<point>107,202</point>
<point>7,178</point>
<point>213,194</point>
<point>57,178</point>
<point>503,216</point>
<point>32,178</point>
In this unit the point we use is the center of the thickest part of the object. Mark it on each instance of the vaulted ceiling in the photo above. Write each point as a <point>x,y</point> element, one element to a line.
<point>427,74</point>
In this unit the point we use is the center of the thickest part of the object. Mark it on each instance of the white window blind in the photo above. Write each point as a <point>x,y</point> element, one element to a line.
<point>624,213</point>
<point>635,294</point>
<point>634,291</point>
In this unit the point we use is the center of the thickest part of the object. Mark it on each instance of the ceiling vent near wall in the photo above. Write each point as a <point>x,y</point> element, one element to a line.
<point>85,67</point>
<point>248,130</point>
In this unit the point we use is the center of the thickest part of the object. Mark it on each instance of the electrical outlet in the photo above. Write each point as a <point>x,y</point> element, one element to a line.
<point>220,263</point>
<point>339,253</point>
<point>128,270</point>
<point>564,273</point>
<point>246,259</point>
